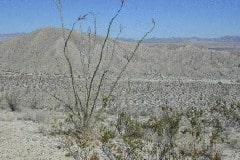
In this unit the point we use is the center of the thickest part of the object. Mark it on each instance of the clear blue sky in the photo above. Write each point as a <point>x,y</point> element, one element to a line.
<point>174,18</point>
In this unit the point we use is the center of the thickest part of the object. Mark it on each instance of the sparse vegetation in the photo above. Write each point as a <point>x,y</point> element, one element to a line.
<point>194,133</point>
<point>96,114</point>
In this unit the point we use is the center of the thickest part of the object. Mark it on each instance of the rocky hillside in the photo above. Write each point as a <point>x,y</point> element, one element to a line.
<point>41,52</point>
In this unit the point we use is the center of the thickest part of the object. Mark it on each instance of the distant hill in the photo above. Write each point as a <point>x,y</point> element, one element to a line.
<point>225,39</point>
<point>41,52</point>
<point>10,36</point>
<point>235,39</point>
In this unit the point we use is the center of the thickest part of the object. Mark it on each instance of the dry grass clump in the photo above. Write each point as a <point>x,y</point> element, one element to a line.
<point>12,101</point>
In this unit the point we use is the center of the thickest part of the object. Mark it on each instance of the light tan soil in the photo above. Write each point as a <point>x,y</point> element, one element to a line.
<point>22,140</point>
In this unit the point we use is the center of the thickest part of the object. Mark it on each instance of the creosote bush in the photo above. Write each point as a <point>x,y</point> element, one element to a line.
<point>175,134</point>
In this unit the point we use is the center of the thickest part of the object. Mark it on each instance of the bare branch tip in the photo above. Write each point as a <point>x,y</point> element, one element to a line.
<point>153,21</point>
<point>82,17</point>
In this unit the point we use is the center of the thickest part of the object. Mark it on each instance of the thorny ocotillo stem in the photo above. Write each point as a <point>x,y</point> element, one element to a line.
<point>101,52</point>
<point>105,71</point>
<point>76,97</point>
<point>129,59</point>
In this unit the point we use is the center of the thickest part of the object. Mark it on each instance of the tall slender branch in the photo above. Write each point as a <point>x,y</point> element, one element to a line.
<point>101,52</point>
<point>77,98</point>
<point>105,72</point>
<point>129,59</point>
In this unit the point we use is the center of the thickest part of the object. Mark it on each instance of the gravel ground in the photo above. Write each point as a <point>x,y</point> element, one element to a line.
<point>21,140</point>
